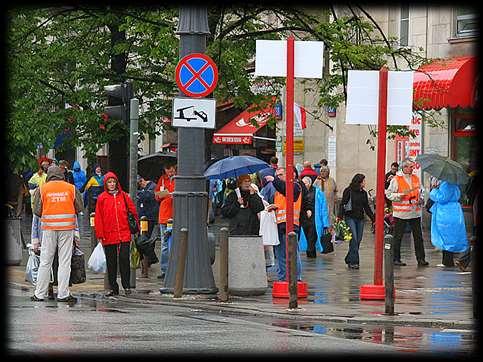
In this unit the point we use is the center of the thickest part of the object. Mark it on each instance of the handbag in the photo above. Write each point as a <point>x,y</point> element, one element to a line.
<point>131,220</point>
<point>77,267</point>
<point>326,242</point>
<point>348,205</point>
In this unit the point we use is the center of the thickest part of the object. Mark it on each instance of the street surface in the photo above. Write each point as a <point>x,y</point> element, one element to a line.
<point>433,313</point>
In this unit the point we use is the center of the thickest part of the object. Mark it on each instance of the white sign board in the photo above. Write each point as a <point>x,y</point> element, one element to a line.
<point>271,58</point>
<point>194,112</point>
<point>363,97</point>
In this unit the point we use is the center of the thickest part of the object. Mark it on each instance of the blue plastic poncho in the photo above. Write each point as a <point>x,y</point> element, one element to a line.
<point>448,230</point>
<point>321,214</point>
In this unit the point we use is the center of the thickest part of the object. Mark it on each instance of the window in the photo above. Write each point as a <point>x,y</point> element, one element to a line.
<point>466,22</point>
<point>404,26</point>
<point>464,146</point>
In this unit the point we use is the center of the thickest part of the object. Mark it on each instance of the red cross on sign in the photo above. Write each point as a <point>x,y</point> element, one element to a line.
<point>196,75</point>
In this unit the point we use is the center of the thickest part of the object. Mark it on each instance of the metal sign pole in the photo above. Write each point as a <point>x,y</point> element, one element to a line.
<point>133,162</point>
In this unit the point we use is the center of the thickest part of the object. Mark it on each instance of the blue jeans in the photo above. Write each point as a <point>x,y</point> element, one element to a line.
<point>279,251</point>
<point>165,248</point>
<point>357,228</point>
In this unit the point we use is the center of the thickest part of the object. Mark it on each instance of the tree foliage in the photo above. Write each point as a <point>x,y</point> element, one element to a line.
<point>66,55</point>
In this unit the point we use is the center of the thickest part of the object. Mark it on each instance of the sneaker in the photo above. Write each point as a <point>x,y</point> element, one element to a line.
<point>353,266</point>
<point>111,293</point>
<point>399,263</point>
<point>422,263</point>
<point>69,299</point>
<point>127,291</point>
<point>35,299</point>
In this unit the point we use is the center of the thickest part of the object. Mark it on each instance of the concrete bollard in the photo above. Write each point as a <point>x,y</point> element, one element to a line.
<point>292,255</point>
<point>247,274</point>
<point>223,289</point>
<point>181,263</point>
<point>388,275</point>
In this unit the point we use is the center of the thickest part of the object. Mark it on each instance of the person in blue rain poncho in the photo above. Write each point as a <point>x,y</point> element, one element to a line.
<point>447,221</point>
<point>321,219</point>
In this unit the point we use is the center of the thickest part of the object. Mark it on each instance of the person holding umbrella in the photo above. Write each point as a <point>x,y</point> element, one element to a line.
<point>448,232</point>
<point>242,207</point>
<point>404,192</point>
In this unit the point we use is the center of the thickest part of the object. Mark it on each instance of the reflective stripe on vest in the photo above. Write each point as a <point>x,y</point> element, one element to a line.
<point>58,212</point>
<point>405,205</point>
<point>281,212</point>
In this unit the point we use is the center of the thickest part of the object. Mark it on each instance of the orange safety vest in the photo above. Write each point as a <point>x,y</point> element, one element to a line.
<point>281,212</point>
<point>58,212</point>
<point>405,204</point>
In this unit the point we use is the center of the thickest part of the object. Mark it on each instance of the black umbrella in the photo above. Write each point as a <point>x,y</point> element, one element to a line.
<point>443,168</point>
<point>151,166</point>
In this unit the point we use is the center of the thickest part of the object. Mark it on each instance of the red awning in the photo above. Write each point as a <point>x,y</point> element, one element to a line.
<point>240,130</point>
<point>446,83</point>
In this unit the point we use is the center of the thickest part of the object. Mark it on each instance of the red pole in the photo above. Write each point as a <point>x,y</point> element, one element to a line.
<point>381,166</point>
<point>289,144</point>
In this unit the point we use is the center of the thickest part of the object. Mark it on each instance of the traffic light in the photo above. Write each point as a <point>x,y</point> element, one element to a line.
<point>119,97</point>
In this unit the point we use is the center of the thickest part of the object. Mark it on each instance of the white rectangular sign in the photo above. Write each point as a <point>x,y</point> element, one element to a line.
<point>271,58</point>
<point>363,97</point>
<point>194,113</point>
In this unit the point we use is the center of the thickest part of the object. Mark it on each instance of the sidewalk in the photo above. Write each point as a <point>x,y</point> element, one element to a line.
<point>427,297</point>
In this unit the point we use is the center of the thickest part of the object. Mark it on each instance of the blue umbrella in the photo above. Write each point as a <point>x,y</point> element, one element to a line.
<point>234,166</point>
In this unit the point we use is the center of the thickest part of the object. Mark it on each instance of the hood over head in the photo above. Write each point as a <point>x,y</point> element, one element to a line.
<point>54,172</point>
<point>76,166</point>
<point>109,175</point>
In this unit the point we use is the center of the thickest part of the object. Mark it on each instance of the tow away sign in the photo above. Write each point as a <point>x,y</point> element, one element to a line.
<point>194,113</point>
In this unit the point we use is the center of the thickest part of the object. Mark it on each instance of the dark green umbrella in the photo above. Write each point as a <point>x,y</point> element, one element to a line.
<point>443,168</point>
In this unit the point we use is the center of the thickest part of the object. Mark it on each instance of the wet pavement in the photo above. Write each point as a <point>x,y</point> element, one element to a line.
<point>433,305</point>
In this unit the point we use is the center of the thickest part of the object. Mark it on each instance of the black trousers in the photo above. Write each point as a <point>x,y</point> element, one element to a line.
<point>112,252</point>
<point>415,224</point>
<point>311,236</point>
<point>448,258</point>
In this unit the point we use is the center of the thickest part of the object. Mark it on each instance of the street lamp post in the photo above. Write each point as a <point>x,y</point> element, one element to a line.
<point>190,197</point>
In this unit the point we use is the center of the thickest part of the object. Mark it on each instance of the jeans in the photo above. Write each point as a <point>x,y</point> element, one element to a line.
<point>357,228</point>
<point>280,252</point>
<point>417,236</point>
<point>165,248</point>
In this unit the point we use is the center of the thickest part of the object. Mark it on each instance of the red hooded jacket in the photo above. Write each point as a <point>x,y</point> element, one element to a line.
<point>110,221</point>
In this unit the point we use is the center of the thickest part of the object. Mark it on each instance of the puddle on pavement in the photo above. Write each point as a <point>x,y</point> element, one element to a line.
<point>407,338</point>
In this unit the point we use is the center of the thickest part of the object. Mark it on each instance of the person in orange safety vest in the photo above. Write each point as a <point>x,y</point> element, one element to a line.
<point>404,192</point>
<point>57,203</point>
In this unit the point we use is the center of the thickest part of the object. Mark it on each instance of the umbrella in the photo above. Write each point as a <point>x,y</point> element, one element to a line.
<point>234,166</point>
<point>151,166</point>
<point>443,168</point>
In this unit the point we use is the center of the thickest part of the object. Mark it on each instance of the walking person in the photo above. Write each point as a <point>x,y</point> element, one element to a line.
<point>279,205</point>
<point>149,207</point>
<point>327,184</point>
<point>56,203</point>
<point>448,232</point>
<point>93,188</point>
<point>79,175</point>
<point>112,231</point>
<point>164,195</point>
<point>387,180</point>
<point>352,207</point>
<point>404,192</point>
<point>307,219</point>
<point>38,178</point>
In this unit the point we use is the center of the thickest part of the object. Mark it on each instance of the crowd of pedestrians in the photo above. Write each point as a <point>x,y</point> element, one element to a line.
<point>254,205</point>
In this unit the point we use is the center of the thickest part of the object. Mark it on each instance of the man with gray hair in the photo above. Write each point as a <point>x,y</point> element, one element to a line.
<point>404,192</point>
<point>56,203</point>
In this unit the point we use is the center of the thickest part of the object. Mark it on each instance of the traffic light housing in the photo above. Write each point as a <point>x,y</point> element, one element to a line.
<point>119,97</point>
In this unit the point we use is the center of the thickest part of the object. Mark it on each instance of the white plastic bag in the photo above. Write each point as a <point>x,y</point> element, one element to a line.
<point>97,261</point>
<point>32,268</point>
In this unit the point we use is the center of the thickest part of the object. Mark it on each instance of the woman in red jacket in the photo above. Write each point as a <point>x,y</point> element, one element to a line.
<point>112,230</point>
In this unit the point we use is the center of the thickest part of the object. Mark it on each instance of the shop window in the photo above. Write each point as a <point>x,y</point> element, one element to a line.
<point>464,146</point>
<point>404,26</point>
<point>466,22</point>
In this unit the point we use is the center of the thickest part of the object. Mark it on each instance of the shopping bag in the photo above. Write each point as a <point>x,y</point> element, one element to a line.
<point>135,257</point>
<point>77,267</point>
<point>326,242</point>
<point>97,260</point>
<point>32,268</point>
